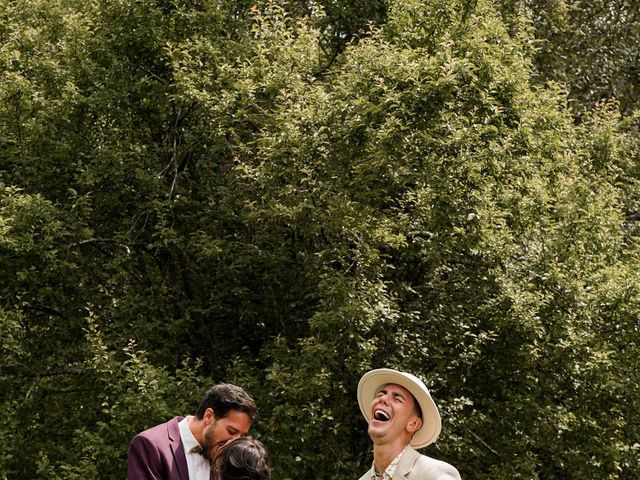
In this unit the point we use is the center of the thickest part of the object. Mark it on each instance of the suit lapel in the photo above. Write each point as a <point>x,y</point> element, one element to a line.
<point>177,449</point>
<point>406,464</point>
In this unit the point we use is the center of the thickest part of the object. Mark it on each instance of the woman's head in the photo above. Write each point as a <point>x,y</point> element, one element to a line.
<point>243,459</point>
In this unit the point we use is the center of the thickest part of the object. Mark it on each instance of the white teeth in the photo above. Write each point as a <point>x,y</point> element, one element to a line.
<point>381,415</point>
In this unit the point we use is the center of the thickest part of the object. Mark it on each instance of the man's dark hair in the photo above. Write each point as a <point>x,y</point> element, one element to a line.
<point>243,459</point>
<point>224,398</point>
<point>417,407</point>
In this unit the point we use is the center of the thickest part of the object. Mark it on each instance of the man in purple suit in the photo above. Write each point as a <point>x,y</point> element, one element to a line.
<point>184,447</point>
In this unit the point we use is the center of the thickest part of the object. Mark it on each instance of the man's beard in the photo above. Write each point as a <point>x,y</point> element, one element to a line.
<point>207,447</point>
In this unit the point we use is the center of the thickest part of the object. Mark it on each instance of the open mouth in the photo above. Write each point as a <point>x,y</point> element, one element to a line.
<point>381,416</point>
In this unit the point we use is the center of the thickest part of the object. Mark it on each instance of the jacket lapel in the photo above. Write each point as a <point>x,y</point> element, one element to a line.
<point>406,464</point>
<point>177,449</point>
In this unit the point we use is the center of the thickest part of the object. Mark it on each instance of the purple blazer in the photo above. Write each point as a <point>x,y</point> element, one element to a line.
<point>158,454</point>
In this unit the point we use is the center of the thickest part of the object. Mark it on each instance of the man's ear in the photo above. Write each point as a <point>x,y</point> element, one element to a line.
<point>209,415</point>
<point>414,424</point>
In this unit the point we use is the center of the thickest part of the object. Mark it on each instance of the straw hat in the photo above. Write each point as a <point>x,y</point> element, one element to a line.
<point>371,383</point>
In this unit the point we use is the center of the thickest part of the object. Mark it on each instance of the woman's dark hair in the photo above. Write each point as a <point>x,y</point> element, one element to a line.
<point>224,398</point>
<point>243,459</point>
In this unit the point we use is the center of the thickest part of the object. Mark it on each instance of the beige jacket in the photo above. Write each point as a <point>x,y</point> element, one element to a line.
<point>414,466</point>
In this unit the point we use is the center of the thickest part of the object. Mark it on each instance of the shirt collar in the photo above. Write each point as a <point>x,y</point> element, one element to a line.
<point>390,470</point>
<point>188,440</point>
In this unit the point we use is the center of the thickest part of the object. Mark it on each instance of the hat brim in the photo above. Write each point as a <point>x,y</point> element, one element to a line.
<point>371,382</point>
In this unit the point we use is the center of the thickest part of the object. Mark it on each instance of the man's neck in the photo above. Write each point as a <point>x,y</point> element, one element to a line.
<point>196,428</point>
<point>384,454</point>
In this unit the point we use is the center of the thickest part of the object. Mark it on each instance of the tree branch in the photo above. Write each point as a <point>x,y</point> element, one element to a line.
<point>485,444</point>
<point>100,240</point>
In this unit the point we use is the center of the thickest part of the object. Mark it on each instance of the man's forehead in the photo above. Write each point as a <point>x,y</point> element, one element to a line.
<point>394,386</point>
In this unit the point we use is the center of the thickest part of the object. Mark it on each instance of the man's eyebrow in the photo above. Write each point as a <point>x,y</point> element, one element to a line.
<point>398,394</point>
<point>394,393</point>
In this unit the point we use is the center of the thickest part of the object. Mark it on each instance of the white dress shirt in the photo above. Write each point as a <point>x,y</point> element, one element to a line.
<point>198,466</point>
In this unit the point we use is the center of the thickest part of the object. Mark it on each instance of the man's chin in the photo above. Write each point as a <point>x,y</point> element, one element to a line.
<point>207,456</point>
<point>212,453</point>
<point>379,429</point>
<point>208,453</point>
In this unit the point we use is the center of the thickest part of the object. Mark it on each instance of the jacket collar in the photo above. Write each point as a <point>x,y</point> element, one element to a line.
<point>406,464</point>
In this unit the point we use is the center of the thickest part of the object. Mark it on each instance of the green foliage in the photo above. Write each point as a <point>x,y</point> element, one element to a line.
<point>294,193</point>
<point>130,395</point>
<point>68,398</point>
<point>591,46</point>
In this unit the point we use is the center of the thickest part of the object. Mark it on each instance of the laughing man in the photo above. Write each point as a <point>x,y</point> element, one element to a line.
<point>402,417</point>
